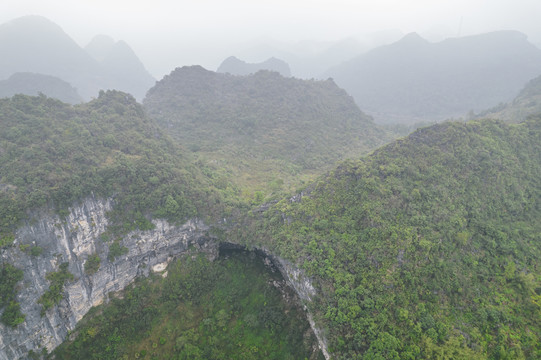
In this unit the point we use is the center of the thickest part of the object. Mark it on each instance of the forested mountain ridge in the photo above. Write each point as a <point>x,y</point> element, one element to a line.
<point>414,80</point>
<point>53,154</point>
<point>428,248</point>
<point>266,130</point>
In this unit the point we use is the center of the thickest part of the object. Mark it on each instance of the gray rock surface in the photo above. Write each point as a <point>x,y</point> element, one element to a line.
<point>77,236</point>
<point>73,239</point>
<point>302,285</point>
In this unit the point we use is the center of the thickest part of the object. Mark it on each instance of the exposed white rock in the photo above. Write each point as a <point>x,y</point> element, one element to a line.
<point>73,239</point>
<point>302,285</point>
<point>160,267</point>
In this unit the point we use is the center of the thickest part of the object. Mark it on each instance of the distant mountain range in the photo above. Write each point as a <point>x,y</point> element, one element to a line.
<point>35,44</point>
<point>309,59</point>
<point>34,84</point>
<point>235,66</point>
<point>419,245</point>
<point>414,80</point>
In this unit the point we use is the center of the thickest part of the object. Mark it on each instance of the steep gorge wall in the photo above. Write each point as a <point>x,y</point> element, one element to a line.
<point>297,280</point>
<point>77,236</point>
<point>302,285</point>
<point>73,239</point>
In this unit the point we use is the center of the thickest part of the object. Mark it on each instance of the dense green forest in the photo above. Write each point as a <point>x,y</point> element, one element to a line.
<point>428,248</point>
<point>9,277</point>
<point>231,308</point>
<point>267,132</point>
<point>53,154</point>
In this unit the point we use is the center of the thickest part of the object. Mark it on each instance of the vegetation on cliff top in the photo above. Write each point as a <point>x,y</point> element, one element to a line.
<point>428,248</point>
<point>54,154</point>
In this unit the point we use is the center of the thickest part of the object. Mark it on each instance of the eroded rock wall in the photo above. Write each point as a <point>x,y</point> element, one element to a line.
<point>303,287</point>
<point>73,239</point>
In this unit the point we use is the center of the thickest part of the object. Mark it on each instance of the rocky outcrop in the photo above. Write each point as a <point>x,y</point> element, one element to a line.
<point>302,285</point>
<point>79,235</point>
<point>73,239</point>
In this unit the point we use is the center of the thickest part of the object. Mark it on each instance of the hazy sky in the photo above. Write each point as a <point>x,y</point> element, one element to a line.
<point>170,33</point>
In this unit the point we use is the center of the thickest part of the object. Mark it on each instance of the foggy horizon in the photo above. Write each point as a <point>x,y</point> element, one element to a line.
<point>166,34</point>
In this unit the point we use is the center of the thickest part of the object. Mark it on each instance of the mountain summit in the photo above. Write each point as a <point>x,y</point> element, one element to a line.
<point>121,65</point>
<point>235,66</point>
<point>100,46</point>
<point>34,44</point>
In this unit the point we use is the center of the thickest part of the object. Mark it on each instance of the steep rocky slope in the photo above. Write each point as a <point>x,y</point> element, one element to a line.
<point>92,196</point>
<point>77,237</point>
<point>73,240</point>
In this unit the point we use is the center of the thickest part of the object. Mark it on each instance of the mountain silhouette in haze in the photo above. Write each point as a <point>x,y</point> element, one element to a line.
<point>309,59</point>
<point>121,65</point>
<point>415,80</point>
<point>34,84</point>
<point>100,46</point>
<point>37,45</point>
<point>526,104</point>
<point>235,66</point>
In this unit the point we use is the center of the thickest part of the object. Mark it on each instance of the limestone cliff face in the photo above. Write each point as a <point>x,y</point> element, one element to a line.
<point>302,285</point>
<point>73,239</point>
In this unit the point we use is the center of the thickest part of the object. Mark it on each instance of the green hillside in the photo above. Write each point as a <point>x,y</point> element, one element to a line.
<point>268,132</point>
<point>428,248</point>
<point>527,103</point>
<point>53,154</point>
